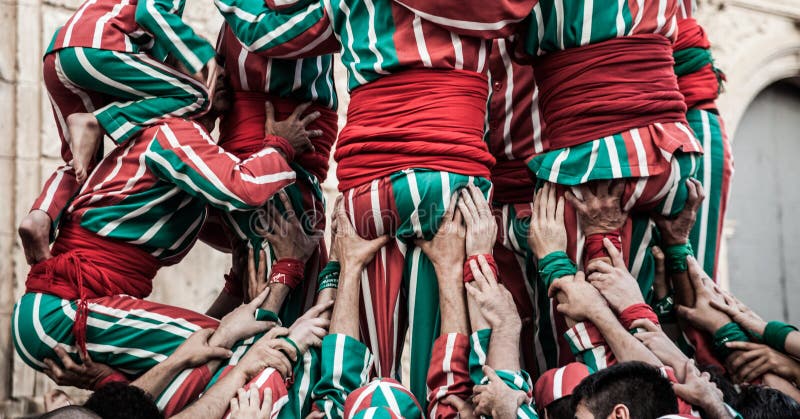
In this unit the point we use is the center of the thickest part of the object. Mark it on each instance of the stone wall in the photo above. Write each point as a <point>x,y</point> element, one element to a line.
<point>755,41</point>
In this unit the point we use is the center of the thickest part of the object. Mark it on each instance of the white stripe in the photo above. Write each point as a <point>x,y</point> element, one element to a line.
<point>509,99</point>
<point>419,36</point>
<point>639,15</point>
<point>638,259</point>
<point>637,193</point>
<point>640,153</point>
<point>350,40</point>
<point>186,234</point>
<point>128,185</point>
<point>586,33</point>
<point>674,180</point>
<point>376,207</point>
<point>481,57</point>
<point>620,18</point>
<point>72,87</point>
<point>412,290</point>
<point>554,171</point>
<point>97,39</point>
<point>559,12</point>
<point>459,51</point>
<point>112,225</point>
<point>166,396</point>
<point>462,24</point>
<point>415,199</point>
<point>18,337</point>
<point>537,13</point>
<point>373,39</point>
<point>592,161</point>
<point>54,186</point>
<point>536,121</point>
<point>558,383</point>
<point>707,162</point>
<point>105,80</point>
<point>75,18</point>
<point>371,329</point>
<point>661,18</point>
<point>616,169</point>
<point>187,53</point>
<point>298,74</point>
<point>156,227</point>
<point>242,70</point>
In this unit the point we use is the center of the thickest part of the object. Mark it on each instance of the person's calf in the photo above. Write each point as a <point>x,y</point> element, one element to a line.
<point>34,230</point>
<point>85,135</point>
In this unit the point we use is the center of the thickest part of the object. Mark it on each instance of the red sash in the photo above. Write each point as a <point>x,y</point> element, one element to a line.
<point>513,183</point>
<point>242,129</point>
<point>86,266</point>
<point>606,88</point>
<point>700,88</point>
<point>430,119</point>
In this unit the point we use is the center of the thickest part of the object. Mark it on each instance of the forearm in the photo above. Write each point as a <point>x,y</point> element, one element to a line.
<point>222,305</point>
<point>624,345</point>
<point>155,380</point>
<point>684,293</point>
<point>277,296</point>
<point>504,348</point>
<point>216,400</point>
<point>792,345</point>
<point>345,318</point>
<point>452,303</point>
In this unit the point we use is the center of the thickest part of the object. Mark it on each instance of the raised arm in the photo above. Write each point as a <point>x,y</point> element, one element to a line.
<point>295,33</point>
<point>162,19</point>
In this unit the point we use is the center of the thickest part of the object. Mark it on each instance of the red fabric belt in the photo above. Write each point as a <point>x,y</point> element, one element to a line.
<point>512,182</point>
<point>86,266</point>
<point>606,88</point>
<point>429,119</point>
<point>700,88</point>
<point>242,129</point>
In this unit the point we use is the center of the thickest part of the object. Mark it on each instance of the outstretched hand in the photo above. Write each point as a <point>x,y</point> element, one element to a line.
<point>547,232</point>
<point>85,375</point>
<point>481,226</point>
<point>676,230</point>
<point>703,315</point>
<point>241,323</point>
<point>354,252</point>
<point>285,232</point>
<point>294,128</point>
<point>494,300</point>
<point>583,301</point>
<point>599,211</point>
<point>447,247</point>
<point>311,327</point>
<point>614,282</point>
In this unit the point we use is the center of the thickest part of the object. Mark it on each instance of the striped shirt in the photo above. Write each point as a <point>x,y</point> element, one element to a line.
<point>134,26</point>
<point>378,37</point>
<point>304,79</point>
<point>153,191</point>
<point>514,125</point>
<point>557,25</point>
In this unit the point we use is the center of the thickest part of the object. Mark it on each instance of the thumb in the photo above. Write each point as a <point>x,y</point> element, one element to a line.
<point>616,255</point>
<point>215,352</point>
<point>256,303</point>
<point>454,401</point>
<point>489,372</point>
<point>376,244</point>
<point>270,110</point>
<point>645,324</point>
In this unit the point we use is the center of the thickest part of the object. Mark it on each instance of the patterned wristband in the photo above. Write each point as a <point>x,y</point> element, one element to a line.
<point>329,277</point>
<point>731,332</point>
<point>288,272</point>
<point>468,276</point>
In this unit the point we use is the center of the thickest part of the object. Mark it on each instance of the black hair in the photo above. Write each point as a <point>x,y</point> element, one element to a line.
<point>122,401</point>
<point>724,384</point>
<point>639,386</point>
<point>70,412</point>
<point>560,409</point>
<point>759,402</point>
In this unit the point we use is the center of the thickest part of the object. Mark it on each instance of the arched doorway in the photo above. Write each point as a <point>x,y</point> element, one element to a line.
<point>764,209</point>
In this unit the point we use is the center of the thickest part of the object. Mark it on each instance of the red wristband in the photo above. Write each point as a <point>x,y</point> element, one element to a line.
<point>288,272</point>
<point>281,144</point>
<point>635,312</point>
<point>116,377</point>
<point>468,277</point>
<point>594,247</point>
<point>233,286</point>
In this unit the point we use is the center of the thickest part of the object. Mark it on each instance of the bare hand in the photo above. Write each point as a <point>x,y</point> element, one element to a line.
<point>196,351</point>
<point>481,226</point>
<point>739,312</point>
<point>309,329</point>
<point>547,232</point>
<point>353,251</point>
<point>583,301</point>
<point>752,360</point>
<point>465,409</point>
<point>676,230</point>
<point>293,128</point>
<point>698,390</point>
<point>447,247</point>
<point>601,211</point>
<point>494,300</point>
<point>703,315</point>
<point>241,323</point>
<point>269,351</point>
<point>614,282</point>
<point>285,232</point>
<point>660,286</point>
<point>85,375</point>
<point>661,346</point>
<point>248,405</point>
<point>496,399</point>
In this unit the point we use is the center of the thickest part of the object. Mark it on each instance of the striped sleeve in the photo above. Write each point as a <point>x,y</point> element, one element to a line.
<point>448,374</point>
<point>345,366</point>
<point>589,346</point>
<point>305,32</point>
<point>159,17</point>
<point>182,153</point>
<point>473,17</point>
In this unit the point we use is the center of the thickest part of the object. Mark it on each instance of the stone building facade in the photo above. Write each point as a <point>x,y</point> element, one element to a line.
<point>757,42</point>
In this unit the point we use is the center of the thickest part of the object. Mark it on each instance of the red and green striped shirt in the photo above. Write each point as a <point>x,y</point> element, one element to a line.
<point>153,192</point>
<point>132,26</point>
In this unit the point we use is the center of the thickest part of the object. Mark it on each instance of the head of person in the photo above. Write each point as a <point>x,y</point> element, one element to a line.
<point>760,402</point>
<point>724,384</point>
<point>122,401</point>
<point>382,398</point>
<point>71,412</point>
<point>553,390</point>
<point>623,391</point>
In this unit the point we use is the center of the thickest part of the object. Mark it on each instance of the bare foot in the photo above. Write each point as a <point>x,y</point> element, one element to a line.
<point>85,134</point>
<point>35,234</point>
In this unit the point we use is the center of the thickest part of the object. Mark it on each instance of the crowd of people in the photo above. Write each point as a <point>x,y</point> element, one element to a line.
<point>532,198</point>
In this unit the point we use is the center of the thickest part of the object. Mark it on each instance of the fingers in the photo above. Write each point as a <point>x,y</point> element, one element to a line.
<point>544,194</point>
<point>658,255</point>
<point>449,214</point>
<point>645,324</point>
<point>454,401</point>
<point>551,202</point>
<point>560,211</point>
<point>695,274</point>
<point>743,346</point>
<point>285,347</point>
<point>256,303</point>
<point>313,116</point>
<point>466,198</point>
<point>576,202</point>
<point>616,255</point>
<point>480,280</point>
<point>318,309</point>
<point>215,352</point>
<point>486,269</point>
<point>299,110</point>
<point>489,372</point>
<point>599,265</point>
<point>64,357</point>
<point>270,111</point>
<point>53,370</point>
<point>266,405</point>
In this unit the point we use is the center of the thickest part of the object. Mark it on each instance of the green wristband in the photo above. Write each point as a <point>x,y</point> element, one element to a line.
<point>329,277</point>
<point>775,335</point>
<point>554,266</point>
<point>731,332</point>
<point>267,316</point>
<point>675,257</point>
<point>665,309</point>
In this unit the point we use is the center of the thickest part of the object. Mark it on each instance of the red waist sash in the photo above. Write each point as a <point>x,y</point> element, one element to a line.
<point>86,266</point>
<point>700,88</point>
<point>606,88</point>
<point>242,129</point>
<point>430,119</point>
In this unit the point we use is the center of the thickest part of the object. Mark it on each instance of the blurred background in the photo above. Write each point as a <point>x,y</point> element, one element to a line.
<point>756,43</point>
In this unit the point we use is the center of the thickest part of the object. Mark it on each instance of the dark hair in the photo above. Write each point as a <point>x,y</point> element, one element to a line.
<point>122,401</point>
<point>759,402</point>
<point>724,384</point>
<point>637,385</point>
<point>70,412</point>
<point>559,409</point>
